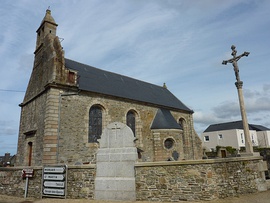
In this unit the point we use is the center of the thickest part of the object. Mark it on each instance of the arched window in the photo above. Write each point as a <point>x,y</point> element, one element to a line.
<point>30,148</point>
<point>182,123</point>
<point>131,121</point>
<point>95,124</point>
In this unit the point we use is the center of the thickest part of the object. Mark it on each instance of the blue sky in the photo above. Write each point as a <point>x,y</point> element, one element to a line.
<point>181,43</point>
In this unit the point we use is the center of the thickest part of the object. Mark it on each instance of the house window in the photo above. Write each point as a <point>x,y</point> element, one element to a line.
<point>206,138</point>
<point>252,139</point>
<point>131,121</point>
<point>220,136</point>
<point>95,124</point>
<point>242,138</point>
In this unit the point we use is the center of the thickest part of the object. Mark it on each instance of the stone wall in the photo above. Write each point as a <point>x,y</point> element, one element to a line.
<point>65,140</point>
<point>73,135</point>
<point>80,182</point>
<point>158,181</point>
<point>198,180</point>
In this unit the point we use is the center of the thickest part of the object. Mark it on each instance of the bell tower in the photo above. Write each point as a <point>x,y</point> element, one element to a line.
<point>47,26</point>
<point>38,141</point>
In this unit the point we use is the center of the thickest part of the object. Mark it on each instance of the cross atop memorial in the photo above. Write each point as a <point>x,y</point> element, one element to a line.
<point>239,84</point>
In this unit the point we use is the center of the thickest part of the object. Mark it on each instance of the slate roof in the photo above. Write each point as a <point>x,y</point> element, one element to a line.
<point>260,128</point>
<point>100,81</point>
<point>164,120</point>
<point>234,125</point>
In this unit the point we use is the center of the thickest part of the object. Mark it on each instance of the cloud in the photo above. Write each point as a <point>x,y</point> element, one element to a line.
<point>8,128</point>
<point>257,105</point>
<point>266,88</point>
<point>181,43</point>
<point>256,101</point>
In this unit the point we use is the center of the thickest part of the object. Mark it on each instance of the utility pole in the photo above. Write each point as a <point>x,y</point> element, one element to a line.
<point>239,85</point>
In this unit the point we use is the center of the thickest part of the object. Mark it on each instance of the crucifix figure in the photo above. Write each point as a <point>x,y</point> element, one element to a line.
<point>239,84</point>
<point>234,61</point>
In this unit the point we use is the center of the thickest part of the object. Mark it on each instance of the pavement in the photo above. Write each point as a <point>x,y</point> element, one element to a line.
<point>261,197</point>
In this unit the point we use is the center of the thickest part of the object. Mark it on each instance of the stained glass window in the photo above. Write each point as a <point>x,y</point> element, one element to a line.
<point>95,124</point>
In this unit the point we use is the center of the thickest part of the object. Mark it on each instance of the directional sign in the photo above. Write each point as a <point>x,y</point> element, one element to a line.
<point>54,177</point>
<point>54,170</point>
<point>27,173</point>
<point>54,184</point>
<point>50,191</point>
<point>54,181</point>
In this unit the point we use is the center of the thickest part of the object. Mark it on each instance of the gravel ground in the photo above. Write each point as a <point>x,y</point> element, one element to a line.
<point>262,197</point>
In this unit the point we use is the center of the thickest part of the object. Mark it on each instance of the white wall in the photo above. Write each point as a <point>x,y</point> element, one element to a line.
<point>229,138</point>
<point>264,138</point>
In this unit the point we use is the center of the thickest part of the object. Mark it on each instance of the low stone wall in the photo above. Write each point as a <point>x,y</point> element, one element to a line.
<point>80,182</point>
<point>198,180</point>
<point>157,181</point>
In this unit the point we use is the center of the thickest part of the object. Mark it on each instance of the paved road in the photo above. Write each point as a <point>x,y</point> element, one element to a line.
<point>262,197</point>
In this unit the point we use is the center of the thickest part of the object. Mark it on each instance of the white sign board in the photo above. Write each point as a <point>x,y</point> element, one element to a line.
<point>54,169</point>
<point>49,191</point>
<point>54,177</point>
<point>54,181</point>
<point>55,184</point>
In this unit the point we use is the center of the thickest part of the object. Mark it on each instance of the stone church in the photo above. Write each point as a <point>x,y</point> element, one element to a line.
<point>68,104</point>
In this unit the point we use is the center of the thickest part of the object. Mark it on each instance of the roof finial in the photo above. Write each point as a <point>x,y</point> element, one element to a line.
<point>164,85</point>
<point>48,10</point>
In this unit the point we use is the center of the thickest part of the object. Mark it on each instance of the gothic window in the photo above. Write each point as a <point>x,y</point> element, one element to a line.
<point>95,124</point>
<point>131,121</point>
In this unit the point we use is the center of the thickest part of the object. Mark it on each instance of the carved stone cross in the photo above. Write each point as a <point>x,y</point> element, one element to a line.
<point>115,129</point>
<point>239,84</point>
<point>234,62</point>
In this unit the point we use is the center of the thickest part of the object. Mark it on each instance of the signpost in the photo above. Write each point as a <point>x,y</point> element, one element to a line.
<point>27,173</point>
<point>54,181</point>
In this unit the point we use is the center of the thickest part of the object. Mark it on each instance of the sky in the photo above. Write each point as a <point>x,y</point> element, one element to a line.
<point>178,42</point>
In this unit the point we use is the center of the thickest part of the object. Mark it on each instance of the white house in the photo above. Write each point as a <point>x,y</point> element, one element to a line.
<point>263,135</point>
<point>232,134</point>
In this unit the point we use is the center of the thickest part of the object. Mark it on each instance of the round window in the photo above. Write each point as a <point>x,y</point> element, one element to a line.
<point>168,144</point>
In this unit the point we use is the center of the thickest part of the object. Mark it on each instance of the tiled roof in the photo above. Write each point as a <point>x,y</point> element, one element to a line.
<point>99,81</point>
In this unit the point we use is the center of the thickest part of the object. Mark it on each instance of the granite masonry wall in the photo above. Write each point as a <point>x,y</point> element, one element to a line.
<point>80,182</point>
<point>157,181</point>
<point>73,145</point>
<point>199,180</point>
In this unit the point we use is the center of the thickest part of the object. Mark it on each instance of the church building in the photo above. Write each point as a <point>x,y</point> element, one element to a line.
<point>68,104</point>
